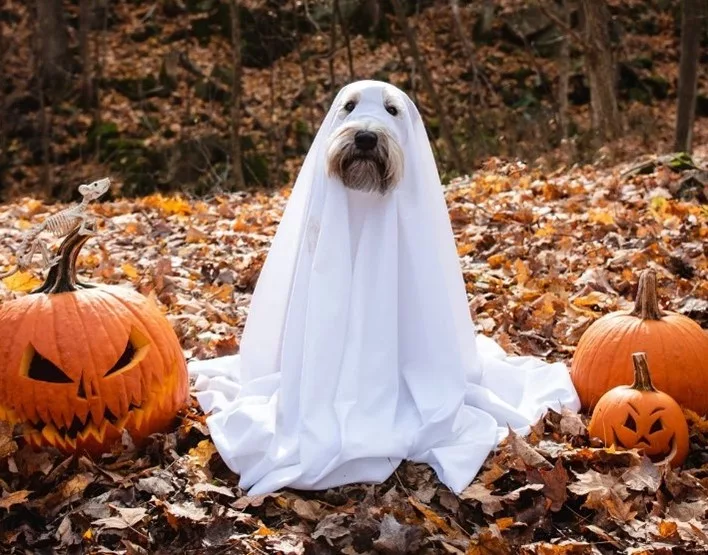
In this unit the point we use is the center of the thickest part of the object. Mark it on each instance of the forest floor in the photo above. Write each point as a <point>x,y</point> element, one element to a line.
<point>543,255</point>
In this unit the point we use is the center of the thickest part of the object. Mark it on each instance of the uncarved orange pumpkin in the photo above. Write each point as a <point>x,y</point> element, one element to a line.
<point>639,416</point>
<point>80,363</point>
<point>676,346</point>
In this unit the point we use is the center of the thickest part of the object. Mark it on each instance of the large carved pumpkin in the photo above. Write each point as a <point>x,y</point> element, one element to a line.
<point>676,346</point>
<point>79,363</point>
<point>638,415</point>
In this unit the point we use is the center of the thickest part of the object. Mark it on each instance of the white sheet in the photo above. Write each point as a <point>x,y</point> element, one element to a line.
<point>359,350</point>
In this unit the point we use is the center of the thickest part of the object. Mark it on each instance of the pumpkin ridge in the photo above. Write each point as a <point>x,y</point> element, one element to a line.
<point>117,316</point>
<point>12,340</point>
<point>691,342</point>
<point>148,379</point>
<point>596,351</point>
<point>87,344</point>
<point>169,340</point>
<point>33,407</point>
<point>118,405</point>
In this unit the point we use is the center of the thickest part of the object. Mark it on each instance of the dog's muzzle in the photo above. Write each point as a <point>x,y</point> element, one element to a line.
<point>365,157</point>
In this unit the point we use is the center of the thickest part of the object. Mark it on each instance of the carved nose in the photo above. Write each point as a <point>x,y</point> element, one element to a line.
<point>365,140</point>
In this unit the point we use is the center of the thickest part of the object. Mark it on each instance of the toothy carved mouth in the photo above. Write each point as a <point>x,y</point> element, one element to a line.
<point>666,455</point>
<point>79,433</point>
<point>77,427</point>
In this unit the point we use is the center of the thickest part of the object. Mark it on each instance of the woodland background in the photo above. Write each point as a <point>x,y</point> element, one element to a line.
<point>166,95</point>
<point>565,135</point>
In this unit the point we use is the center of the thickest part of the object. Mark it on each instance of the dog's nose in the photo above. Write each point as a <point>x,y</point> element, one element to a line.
<point>365,140</point>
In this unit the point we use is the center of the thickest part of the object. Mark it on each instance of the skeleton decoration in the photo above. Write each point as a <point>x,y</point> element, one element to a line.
<point>359,350</point>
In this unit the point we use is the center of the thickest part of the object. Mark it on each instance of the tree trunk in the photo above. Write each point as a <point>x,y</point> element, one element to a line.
<point>693,13</point>
<point>445,129</point>
<point>99,48</point>
<point>237,69</point>
<point>601,69</point>
<point>564,75</point>
<point>85,49</point>
<point>333,53</point>
<point>54,42</point>
<point>347,40</point>
<point>3,113</point>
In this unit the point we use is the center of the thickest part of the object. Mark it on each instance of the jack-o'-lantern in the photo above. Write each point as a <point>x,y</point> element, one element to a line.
<point>676,346</point>
<point>639,416</point>
<point>81,363</point>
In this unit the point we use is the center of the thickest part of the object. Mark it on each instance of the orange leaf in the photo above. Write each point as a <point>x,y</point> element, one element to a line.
<point>129,271</point>
<point>432,516</point>
<point>22,282</point>
<point>14,498</point>
<point>668,528</point>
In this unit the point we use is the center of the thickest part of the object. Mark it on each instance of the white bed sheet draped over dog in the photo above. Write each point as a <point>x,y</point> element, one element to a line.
<point>359,350</point>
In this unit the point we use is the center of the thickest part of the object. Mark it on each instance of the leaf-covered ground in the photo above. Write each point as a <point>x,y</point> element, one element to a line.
<point>543,256</point>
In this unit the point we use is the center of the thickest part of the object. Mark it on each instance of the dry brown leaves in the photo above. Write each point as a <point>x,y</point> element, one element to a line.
<point>543,256</point>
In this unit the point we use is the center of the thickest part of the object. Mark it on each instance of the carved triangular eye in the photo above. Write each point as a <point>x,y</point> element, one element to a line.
<point>657,426</point>
<point>44,370</point>
<point>135,350</point>
<point>630,423</point>
<point>124,359</point>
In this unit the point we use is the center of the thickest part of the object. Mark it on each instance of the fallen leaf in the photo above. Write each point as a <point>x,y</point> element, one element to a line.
<point>520,448</point>
<point>67,492</point>
<point>22,282</point>
<point>129,271</point>
<point>126,518</point>
<point>396,538</point>
<point>644,476</point>
<point>195,235</point>
<point>667,529</point>
<point>177,512</point>
<point>488,542</point>
<point>8,446</point>
<point>555,483</point>
<point>14,498</point>
<point>307,510</point>
<point>200,455</point>
<point>156,486</point>
<point>211,488</point>
<point>571,423</point>
<point>618,509</point>
<point>597,487</point>
<point>493,503</point>
<point>331,528</point>
<point>431,516</point>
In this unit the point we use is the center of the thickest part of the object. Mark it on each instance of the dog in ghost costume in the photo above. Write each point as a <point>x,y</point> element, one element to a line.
<point>359,350</point>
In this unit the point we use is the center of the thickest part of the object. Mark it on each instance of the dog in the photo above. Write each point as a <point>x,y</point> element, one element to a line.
<point>365,153</point>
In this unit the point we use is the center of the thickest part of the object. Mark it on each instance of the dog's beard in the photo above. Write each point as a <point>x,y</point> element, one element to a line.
<point>376,170</point>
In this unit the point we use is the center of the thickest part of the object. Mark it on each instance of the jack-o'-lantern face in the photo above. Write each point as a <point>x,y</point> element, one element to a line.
<point>639,416</point>
<point>645,431</point>
<point>78,367</point>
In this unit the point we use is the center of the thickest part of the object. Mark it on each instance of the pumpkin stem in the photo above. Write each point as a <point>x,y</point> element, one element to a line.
<point>642,377</point>
<point>646,305</point>
<point>61,277</point>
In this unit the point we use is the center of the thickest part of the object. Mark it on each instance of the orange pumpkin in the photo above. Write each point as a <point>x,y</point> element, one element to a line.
<point>79,364</point>
<point>638,415</point>
<point>676,345</point>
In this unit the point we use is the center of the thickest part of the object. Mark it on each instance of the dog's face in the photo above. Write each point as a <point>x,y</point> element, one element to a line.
<point>365,151</point>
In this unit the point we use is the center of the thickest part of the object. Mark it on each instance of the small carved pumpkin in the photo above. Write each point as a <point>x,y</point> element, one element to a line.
<point>672,341</point>
<point>638,415</point>
<point>79,363</point>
